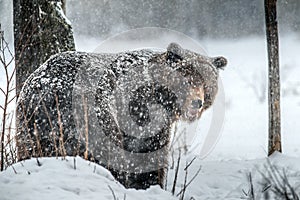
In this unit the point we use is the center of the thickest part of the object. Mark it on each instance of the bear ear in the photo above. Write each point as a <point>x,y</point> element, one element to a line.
<point>219,62</point>
<point>175,51</point>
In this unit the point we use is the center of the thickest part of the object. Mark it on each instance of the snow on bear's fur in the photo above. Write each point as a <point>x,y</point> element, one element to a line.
<point>115,109</point>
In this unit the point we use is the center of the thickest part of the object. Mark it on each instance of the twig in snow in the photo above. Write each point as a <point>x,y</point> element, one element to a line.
<point>38,162</point>
<point>196,174</point>
<point>278,183</point>
<point>185,179</point>
<point>113,193</point>
<point>188,165</point>
<point>14,169</point>
<point>74,163</point>
<point>176,173</point>
<point>250,194</point>
<point>166,179</point>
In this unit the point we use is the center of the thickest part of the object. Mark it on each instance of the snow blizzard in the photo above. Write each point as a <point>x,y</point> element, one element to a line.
<point>236,154</point>
<point>240,148</point>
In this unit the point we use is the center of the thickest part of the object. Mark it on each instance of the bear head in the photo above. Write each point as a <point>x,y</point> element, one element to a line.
<point>202,73</point>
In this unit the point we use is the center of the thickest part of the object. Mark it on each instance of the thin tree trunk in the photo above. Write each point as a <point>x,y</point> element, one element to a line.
<point>274,143</point>
<point>63,6</point>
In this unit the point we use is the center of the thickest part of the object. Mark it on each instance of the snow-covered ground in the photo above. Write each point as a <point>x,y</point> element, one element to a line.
<point>240,148</point>
<point>75,178</point>
<point>72,178</point>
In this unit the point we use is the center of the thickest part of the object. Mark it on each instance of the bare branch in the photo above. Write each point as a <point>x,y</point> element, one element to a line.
<point>14,169</point>
<point>11,60</point>
<point>196,174</point>
<point>12,89</point>
<point>8,49</point>
<point>185,179</point>
<point>176,172</point>
<point>2,61</point>
<point>2,91</point>
<point>61,140</point>
<point>11,100</point>
<point>12,75</point>
<point>188,165</point>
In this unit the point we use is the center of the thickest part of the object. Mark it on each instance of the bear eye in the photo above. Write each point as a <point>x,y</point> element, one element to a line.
<point>197,104</point>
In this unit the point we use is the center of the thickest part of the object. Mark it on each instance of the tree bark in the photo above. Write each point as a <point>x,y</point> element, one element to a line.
<point>63,6</point>
<point>40,30</point>
<point>274,143</point>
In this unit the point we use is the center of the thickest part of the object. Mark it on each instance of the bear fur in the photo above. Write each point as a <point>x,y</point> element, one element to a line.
<point>100,107</point>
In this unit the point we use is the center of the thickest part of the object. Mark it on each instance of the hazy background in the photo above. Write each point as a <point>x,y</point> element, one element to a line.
<point>196,18</point>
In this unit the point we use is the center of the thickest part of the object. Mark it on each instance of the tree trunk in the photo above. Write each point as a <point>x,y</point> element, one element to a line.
<point>63,6</point>
<point>40,30</point>
<point>274,143</point>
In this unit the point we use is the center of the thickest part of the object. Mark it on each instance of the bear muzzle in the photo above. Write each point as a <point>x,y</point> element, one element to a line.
<point>193,106</point>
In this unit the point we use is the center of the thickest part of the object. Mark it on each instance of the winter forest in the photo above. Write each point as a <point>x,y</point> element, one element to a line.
<point>154,99</point>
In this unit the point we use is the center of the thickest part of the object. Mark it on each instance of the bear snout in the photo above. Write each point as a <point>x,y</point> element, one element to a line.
<point>193,106</point>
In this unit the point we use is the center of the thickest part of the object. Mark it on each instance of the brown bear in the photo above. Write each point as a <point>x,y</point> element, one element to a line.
<point>115,109</point>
